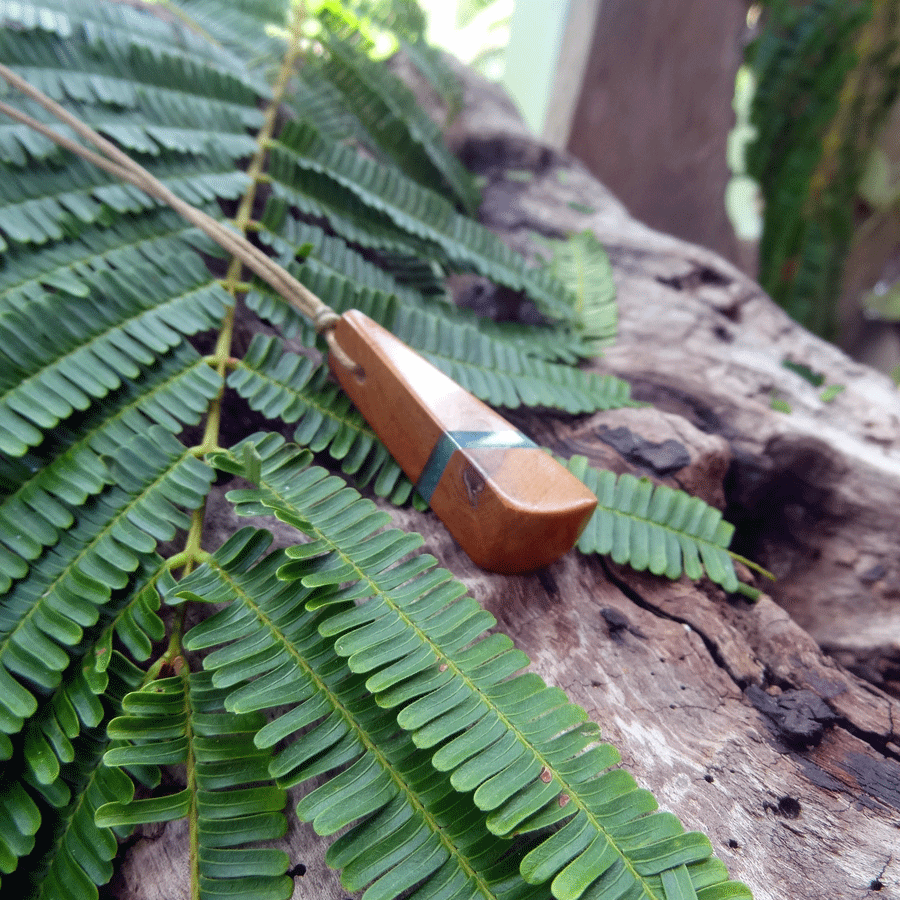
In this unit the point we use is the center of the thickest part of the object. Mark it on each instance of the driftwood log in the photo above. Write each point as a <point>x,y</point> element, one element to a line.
<point>772,727</point>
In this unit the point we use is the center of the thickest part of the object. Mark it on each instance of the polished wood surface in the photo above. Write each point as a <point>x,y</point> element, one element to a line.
<point>509,504</point>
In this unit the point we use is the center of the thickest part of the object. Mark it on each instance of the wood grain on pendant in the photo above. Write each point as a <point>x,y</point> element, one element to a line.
<point>508,504</point>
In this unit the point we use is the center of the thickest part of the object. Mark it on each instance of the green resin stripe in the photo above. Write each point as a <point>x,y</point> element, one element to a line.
<point>451,441</point>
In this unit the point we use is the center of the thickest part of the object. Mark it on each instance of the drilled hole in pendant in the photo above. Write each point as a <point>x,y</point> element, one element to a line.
<point>341,356</point>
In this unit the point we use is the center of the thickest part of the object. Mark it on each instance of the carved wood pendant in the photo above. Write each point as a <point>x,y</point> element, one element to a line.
<point>509,504</point>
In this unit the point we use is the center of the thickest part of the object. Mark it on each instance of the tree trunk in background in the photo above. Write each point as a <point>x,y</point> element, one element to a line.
<point>655,111</point>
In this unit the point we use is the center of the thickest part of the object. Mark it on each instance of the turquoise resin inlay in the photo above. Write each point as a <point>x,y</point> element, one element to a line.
<point>451,441</point>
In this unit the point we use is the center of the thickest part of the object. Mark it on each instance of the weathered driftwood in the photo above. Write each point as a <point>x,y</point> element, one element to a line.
<point>735,715</point>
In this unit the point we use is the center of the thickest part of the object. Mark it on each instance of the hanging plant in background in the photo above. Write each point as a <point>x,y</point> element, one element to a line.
<point>348,655</point>
<point>827,74</point>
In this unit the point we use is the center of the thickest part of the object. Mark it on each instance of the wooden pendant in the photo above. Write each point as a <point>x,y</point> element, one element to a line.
<point>511,506</point>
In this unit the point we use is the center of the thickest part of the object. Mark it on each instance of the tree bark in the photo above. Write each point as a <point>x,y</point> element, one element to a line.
<point>736,715</point>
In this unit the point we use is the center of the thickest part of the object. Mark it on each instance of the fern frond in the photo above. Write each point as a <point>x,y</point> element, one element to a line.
<point>229,800</point>
<point>392,116</point>
<point>328,200</point>
<point>655,527</point>
<point>78,705</point>
<point>411,828</point>
<point>136,42</point>
<point>581,264</point>
<point>501,374</point>
<point>327,258</point>
<point>46,612</point>
<point>531,757</point>
<point>43,493</point>
<point>486,362</point>
<point>320,103</point>
<point>252,30</point>
<point>20,819</point>
<point>72,266</point>
<point>65,855</point>
<point>410,208</point>
<point>324,254</point>
<point>40,206</point>
<point>81,855</point>
<point>107,338</point>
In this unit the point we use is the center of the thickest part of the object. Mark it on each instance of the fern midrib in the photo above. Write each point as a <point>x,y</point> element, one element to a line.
<point>97,337</point>
<point>46,275</point>
<point>121,513</point>
<point>133,87</point>
<point>84,443</point>
<point>566,788</point>
<point>371,748</point>
<point>171,180</point>
<point>244,216</point>
<point>222,356</point>
<point>190,771</point>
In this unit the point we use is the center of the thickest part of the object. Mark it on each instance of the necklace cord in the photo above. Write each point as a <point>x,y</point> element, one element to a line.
<point>119,164</point>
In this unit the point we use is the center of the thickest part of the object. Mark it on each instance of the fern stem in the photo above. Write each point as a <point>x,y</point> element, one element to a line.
<point>185,558</point>
<point>233,279</point>
<point>193,554</point>
<point>231,363</point>
<point>234,284</point>
<point>182,669</point>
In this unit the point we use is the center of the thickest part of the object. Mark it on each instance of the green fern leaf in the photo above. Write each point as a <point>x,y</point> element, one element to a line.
<point>47,611</point>
<point>494,369</point>
<point>390,114</point>
<point>44,493</point>
<point>78,706</point>
<point>531,757</point>
<point>411,208</point>
<point>655,527</point>
<point>503,376</point>
<point>71,266</point>
<point>328,258</point>
<point>20,819</point>
<point>83,852</point>
<point>253,30</point>
<point>110,336</point>
<point>326,255</point>
<point>37,207</point>
<point>321,103</point>
<point>432,64</point>
<point>581,264</point>
<point>410,826</point>
<point>65,855</point>
<point>181,56</point>
<point>230,805</point>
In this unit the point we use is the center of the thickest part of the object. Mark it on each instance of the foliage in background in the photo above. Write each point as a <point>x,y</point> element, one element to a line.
<point>474,31</point>
<point>827,74</point>
<point>349,655</point>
